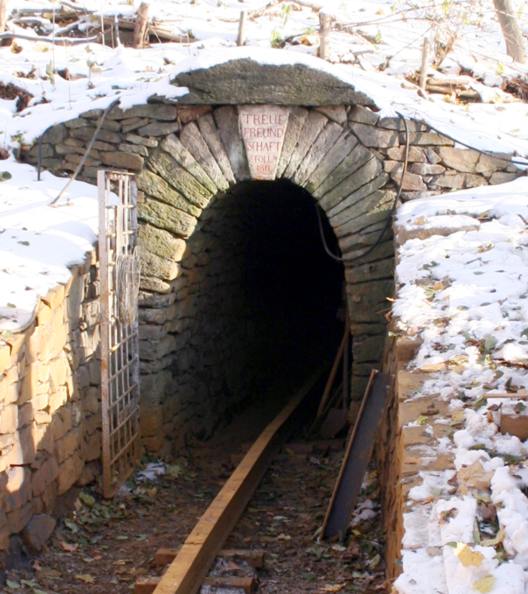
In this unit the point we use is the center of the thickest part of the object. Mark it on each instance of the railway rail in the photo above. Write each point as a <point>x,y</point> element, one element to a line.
<point>202,564</point>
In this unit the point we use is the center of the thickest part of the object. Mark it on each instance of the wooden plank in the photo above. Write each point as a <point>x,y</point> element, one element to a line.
<point>245,583</point>
<point>356,458</point>
<point>255,558</point>
<point>187,571</point>
<point>145,585</point>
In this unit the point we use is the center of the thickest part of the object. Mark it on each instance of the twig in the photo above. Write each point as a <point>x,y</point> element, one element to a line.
<point>88,149</point>
<point>63,40</point>
<point>425,63</point>
<point>241,37</point>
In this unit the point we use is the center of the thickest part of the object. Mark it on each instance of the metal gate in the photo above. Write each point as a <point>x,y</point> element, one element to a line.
<point>119,273</point>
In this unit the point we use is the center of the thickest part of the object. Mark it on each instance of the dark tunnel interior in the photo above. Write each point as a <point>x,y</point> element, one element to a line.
<point>266,300</point>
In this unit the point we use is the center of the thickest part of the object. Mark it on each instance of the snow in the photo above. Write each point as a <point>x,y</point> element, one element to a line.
<point>39,242</point>
<point>462,293</point>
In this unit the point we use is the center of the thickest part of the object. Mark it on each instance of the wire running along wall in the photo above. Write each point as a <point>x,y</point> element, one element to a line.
<point>119,273</point>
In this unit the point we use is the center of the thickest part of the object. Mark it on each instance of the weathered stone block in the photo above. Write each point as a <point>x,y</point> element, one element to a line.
<point>427,138</point>
<point>179,178</point>
<point>146,141</point>
<point>167,217</point>
<point>454,181</point>
<point>362,115</point>
<point>44,476</point>
<point>156,111</point>
<point>69,471</point>
<point>161,243</point>
<point>371,136</point>
<point>19,517</point>
<point>464,160</point>
<point>17,489</point>
<point>139,149</point>
<point>416,155</point>
<point>38,531</point>
<point>502,177</point>
<point>426,169</point>
<point>410,181</point>
<point>159,128</point>
<point>129,161</point>
<point>155,186</point>
<point>54,134</point>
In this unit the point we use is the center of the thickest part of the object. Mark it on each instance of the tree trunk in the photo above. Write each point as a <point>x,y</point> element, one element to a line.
<point>510,30</point>
<point>140,28</point>
<point>3,15</point>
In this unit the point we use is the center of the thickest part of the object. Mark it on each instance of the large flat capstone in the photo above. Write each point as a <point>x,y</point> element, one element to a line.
<point>242,81</point>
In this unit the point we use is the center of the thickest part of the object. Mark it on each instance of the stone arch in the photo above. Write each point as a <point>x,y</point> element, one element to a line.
<point>207,157</point>
<point>189,149</point>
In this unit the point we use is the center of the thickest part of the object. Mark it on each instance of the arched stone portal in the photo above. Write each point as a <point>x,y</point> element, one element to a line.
<point>186,181</point>
<point>191,157</point>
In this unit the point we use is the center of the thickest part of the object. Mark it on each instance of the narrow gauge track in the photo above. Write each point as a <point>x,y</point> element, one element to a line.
<point>198,565</point>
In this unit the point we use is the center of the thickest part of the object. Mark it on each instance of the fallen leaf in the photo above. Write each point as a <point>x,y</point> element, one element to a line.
<point>86,578</point>
<point>333,587</point>
<point>467,556</point>
<point>485,584</point>
<point>69,547</point>
<point>491,542</point>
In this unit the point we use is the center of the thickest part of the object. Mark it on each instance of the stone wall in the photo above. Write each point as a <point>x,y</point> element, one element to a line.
<point>347,157</point>
<point>49,405</point>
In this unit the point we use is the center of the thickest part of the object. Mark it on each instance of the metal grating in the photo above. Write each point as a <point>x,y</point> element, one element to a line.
<point>119,273</point>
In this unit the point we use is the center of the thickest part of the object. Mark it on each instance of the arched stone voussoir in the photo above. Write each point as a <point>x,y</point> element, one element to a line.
<point>344,194</point>
<point>178,177</point>
<point>327,139</point>
<point>345,211</point>
<point>195,143</point>
<point>164,216</point>
<point>226,120</point>
<point>356,158</point>
<point>296,120</point>
<point>376,201</point>
<point>331,161</point>
<point>175,148</point>
<point>313,125</point>
<point>156,188</point>
<point>211,135</point>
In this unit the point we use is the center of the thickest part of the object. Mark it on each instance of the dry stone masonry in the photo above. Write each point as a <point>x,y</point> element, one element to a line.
<point>50,414</point>
<point>192,159</point>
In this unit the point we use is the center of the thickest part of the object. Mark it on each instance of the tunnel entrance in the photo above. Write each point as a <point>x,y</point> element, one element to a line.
<point>265,301</point>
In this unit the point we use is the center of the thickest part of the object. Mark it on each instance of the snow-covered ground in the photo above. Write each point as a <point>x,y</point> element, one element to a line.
<point>387,33</point>
<point>38,241</point>
<point>463,292</point>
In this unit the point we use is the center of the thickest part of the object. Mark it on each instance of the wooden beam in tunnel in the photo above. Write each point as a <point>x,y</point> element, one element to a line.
<point>188,570</point>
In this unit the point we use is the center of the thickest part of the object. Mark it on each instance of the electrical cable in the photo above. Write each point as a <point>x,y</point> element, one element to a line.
<point>371,248</point>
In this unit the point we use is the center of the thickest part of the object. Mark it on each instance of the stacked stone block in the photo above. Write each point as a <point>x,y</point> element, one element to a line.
<point>50,414</point>
<point>346,156</point>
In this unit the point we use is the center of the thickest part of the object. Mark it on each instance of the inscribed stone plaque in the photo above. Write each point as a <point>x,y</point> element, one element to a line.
<point>262,128</point>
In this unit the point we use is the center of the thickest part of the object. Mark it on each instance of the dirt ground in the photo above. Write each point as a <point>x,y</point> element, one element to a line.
<point>102,546</point>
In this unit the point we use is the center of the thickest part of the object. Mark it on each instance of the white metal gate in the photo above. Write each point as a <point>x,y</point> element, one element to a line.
<point>119,273</point>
